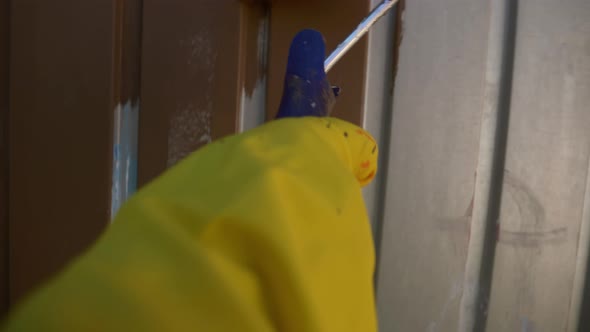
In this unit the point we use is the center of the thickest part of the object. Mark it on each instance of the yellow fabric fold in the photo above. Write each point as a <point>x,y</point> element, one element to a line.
<point>261,231</point>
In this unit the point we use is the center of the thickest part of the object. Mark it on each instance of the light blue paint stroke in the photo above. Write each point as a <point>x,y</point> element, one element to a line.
<point>124,154</point>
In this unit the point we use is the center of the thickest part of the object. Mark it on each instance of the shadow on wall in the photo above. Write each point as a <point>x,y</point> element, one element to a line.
<point>499,162</point>
<point>585,319</point>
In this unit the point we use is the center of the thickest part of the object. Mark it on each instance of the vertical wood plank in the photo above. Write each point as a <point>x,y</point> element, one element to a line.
<point>127,46</point>
<point>432,160</point>
<point>546,169</point>
<point>4,172</point>
<point>65,82</point>
<point>127,62</point>
<point>381,60</point>
<point>195,61</point>
<point>335,19</point>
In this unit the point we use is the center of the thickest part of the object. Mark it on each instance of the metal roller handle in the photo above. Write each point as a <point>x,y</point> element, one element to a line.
<point>357,34</point>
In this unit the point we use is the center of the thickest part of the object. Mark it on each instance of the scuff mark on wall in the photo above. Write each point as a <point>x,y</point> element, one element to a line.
<point>190,125</point>
<point>190,128</point>
<point>200,52</point>
<point>454,295</point>
<point>124,181</point>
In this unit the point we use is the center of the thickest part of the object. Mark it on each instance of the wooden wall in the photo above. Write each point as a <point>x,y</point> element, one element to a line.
<point>194,71</point>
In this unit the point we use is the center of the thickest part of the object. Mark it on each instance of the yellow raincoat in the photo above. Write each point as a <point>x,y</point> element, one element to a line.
<point>262,231</point>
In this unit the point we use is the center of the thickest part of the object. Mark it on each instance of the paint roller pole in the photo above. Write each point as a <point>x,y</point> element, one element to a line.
<point>357,34</point>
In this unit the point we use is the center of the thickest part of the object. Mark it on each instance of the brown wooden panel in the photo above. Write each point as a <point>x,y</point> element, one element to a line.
<point>67,75</point>
<point>195,61</point>
<point>4,65</point>
<point>336,19</point>
<point>127,46</point>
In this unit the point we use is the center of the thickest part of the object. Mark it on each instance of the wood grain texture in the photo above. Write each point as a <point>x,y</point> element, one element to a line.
<point>66,79</point>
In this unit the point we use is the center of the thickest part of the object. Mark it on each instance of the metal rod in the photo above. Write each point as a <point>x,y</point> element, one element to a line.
<point>357,34</point>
